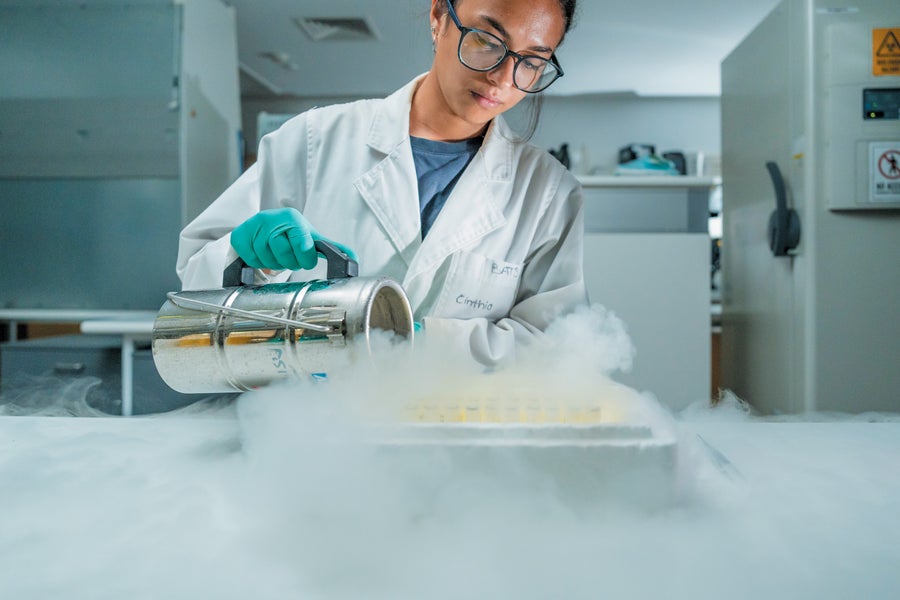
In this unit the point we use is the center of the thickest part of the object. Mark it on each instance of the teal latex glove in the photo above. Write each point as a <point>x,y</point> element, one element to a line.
<point>279,238</point>
<point>417,327</point>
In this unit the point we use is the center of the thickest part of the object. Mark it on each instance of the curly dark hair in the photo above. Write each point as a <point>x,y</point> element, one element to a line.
<point>567,6</point>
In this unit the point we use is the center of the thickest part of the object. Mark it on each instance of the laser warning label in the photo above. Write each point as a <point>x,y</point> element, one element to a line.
<point>885,172</point>
<point>886,51</point>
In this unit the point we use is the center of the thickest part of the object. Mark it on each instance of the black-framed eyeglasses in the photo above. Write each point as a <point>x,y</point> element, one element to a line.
<point>482,51</point>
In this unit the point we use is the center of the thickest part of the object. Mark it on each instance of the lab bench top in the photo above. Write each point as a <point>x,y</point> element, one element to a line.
<point>648,181</point>
<point>810,506</point>
<point>66,315</point>
<point>134,327</point>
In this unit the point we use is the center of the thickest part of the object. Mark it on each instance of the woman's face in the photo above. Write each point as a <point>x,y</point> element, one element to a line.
<point>533,27</point>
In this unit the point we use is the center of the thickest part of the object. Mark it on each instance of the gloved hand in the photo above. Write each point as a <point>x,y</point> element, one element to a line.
<point>279,238</point>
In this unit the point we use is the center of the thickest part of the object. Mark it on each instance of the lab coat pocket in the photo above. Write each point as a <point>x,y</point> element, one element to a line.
<point>478,286</point>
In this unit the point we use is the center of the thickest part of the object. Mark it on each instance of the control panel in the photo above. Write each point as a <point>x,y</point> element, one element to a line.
<point>860,119</point>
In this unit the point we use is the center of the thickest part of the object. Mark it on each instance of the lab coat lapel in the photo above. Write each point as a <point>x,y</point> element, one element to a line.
<point>391,192</point>
<point>474,209</point>
<point>390,188</point>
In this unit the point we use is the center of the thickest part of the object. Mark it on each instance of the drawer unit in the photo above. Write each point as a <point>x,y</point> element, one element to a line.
<point>66,372</point>
<point>41,372</point>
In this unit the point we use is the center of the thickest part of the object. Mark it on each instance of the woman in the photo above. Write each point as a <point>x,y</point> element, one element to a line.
<point>429,186</point>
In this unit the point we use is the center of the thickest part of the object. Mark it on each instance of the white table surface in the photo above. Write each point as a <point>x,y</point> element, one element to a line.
<point>239,504</point>
<point>142,327</point>
<point>648,181</point>
<point>53,315</point>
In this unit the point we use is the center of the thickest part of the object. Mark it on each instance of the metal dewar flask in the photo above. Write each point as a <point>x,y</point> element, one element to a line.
<point>246,336</point>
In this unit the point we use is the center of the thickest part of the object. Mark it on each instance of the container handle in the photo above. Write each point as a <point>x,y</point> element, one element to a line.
<point>340,266</point>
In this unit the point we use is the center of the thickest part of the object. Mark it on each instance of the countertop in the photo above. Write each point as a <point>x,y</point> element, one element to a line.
<point>71,315</point>
<point>238,502</point>
<point>648,181</point>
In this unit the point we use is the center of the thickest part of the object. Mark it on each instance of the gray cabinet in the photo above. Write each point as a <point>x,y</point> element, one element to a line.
<point>647,259</point>
<point>80,375</point>
<point>119,122</point>
<point>71,373</point>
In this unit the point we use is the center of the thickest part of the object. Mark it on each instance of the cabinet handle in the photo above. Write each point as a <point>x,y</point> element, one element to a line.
<point>65,368</point>
<point>784,223</point>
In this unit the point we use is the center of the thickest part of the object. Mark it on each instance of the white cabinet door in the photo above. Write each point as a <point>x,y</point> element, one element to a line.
<point>659,285</point>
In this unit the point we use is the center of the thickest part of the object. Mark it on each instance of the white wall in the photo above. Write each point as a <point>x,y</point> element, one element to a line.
<point>602,123</point>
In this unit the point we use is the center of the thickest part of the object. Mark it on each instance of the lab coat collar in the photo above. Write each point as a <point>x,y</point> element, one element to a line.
<point>390,128</point>
<point>474,209</point>
<point>498,151</point>
<point>390,188</point>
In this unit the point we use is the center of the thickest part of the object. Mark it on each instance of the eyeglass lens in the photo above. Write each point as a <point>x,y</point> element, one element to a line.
<point>482,51</point>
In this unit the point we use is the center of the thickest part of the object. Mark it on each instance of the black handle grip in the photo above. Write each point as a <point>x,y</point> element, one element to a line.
<point>340,266</point>
<point>64,368</point>
<point>237,274</point>
<point>784,223</point>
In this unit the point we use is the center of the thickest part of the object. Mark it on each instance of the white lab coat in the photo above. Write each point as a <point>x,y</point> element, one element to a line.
<point>503,258</point>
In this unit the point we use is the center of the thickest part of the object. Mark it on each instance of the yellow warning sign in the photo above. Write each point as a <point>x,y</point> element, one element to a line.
<point>886,51</point>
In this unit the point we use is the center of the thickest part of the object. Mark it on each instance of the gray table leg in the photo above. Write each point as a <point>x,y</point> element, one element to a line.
<point>127,375</point>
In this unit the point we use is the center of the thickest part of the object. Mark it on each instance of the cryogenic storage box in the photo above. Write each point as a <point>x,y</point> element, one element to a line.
<point>587,448</point>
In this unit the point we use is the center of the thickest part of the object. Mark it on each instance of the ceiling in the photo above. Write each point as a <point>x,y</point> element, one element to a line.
<point>646,47</point>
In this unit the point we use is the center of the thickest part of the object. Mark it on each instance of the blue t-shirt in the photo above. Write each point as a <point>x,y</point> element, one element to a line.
<point>438,168</point>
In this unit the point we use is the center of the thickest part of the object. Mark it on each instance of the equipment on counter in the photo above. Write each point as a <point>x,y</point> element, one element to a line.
<point>641,159</point>
<point>245,336</point>
<point>648,165</point>
<point>634,151</point>
<point>562,155</point>
<point>678,159</point>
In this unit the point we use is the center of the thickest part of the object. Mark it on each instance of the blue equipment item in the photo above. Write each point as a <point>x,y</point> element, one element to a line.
<point>650,164</point>
<point>279,238</point>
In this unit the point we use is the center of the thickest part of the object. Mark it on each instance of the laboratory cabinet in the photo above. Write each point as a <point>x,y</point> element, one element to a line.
<point>79,372</point>
<point>68,370</point>
<point>120,122</point>
<point>811,229</point>
<point>647,260</point>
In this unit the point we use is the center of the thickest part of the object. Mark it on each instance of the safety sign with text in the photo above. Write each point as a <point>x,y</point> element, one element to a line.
<point>886,51</point>
<point>885,172</point>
